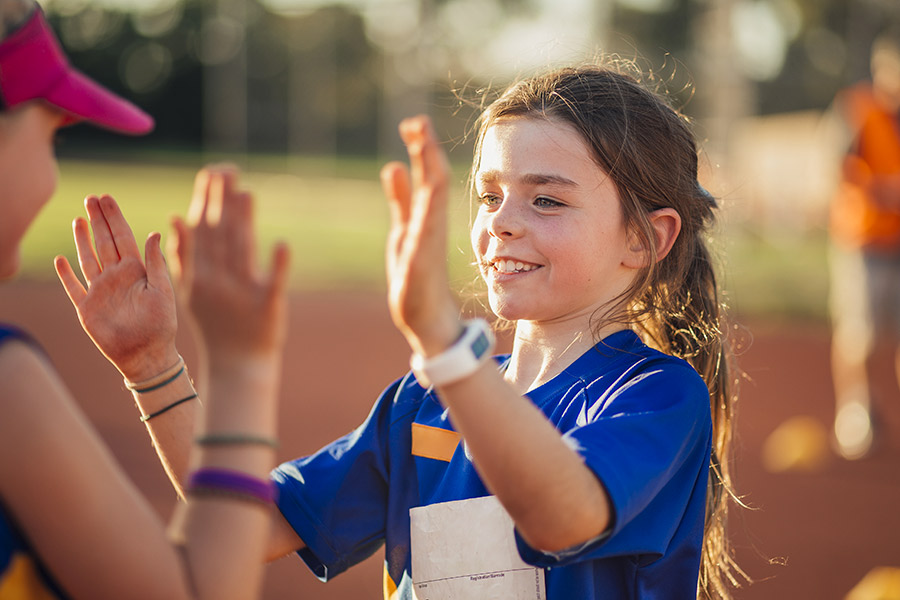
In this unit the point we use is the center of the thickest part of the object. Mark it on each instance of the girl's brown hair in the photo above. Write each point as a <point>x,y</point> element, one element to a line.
<point>647,148</point>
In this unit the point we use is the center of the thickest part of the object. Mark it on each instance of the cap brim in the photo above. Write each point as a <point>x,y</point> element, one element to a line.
<point>33,66</point>
<point>87,100</point>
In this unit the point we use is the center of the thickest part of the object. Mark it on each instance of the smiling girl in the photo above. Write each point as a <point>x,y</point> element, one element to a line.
<point>590,462</point>
<point>604,434</point>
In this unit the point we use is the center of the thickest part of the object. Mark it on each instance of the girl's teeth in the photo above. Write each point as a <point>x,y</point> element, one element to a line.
<point>510,266</point>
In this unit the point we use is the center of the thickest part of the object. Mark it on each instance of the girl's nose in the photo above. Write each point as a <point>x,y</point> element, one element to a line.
<point>506,221</point>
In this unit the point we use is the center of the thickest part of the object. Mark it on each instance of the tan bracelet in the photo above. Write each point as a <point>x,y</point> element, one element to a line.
<point>158,381</point>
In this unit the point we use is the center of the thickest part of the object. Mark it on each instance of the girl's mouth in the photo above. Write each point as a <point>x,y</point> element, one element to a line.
<point>506,266</point>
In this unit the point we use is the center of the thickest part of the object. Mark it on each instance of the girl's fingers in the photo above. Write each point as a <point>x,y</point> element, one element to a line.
<point>87,259</point>
<point>430,178</point>
<point>103,237</point>
<point>74,290</point>
<point>122,236</point>
<point>217,227</point>
<point>237,229</point>
<point>279,270</point>
<point>180,250</point>
<point>197,210</point>
<point>413,132</point>
<point>210,244</point>
<point>221,183</point>
<point>428,163</point>
<point>157,275</point>
<point>396,187</point>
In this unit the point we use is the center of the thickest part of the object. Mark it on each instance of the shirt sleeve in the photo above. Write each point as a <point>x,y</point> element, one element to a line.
<point>648,442</point>
<point>336,499</point>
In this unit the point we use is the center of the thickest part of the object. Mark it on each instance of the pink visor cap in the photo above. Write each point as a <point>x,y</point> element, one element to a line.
<point>34,67</point>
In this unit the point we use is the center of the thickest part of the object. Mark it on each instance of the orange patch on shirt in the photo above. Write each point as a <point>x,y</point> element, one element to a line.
<point>434,442</point>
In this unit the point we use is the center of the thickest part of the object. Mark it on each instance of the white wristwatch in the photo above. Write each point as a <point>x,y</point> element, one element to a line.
<point>461,359</point>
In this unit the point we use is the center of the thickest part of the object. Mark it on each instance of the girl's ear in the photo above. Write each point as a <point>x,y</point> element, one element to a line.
<point>666,225</point>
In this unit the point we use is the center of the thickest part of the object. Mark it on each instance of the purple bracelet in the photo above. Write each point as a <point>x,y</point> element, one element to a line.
<point>231,483</point>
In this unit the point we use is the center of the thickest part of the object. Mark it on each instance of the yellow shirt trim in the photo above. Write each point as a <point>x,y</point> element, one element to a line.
<point>390,588</point>
<point>22,581</point>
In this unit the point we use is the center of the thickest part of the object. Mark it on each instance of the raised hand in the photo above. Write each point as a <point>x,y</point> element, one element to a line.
<point>239,312</point>
<point>421,304</point>
<point>128,306</point>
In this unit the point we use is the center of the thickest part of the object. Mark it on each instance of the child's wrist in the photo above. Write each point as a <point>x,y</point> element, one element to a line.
<point>149,367</point>
<point>464,357</point>
<point>440,336</point>
<point>244,366</point>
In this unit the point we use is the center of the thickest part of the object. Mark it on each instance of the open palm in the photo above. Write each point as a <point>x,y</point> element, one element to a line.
<point>421,304</point>
<point>128,306</point>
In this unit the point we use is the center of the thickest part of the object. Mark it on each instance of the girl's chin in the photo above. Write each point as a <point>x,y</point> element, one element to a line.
<point>506,310</point>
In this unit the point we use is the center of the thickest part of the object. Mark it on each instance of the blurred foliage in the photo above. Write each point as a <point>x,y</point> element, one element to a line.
<point>316,78</point>
<point>161,68</point>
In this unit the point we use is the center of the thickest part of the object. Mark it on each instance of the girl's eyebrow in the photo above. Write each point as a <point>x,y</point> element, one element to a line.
<point>488,177</point>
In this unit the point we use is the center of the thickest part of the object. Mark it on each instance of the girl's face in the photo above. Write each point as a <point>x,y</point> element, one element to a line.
<point>27,174</point>
<point>549,235</point>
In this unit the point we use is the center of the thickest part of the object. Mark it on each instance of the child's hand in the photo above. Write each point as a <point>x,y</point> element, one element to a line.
<point>419,297</point>
<point>128,309</point>
<point>240,313</point>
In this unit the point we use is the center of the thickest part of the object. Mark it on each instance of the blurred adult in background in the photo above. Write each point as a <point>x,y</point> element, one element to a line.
<point>865,252</point>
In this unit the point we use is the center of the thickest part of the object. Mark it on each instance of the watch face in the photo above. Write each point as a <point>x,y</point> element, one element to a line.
<point>480,345</point>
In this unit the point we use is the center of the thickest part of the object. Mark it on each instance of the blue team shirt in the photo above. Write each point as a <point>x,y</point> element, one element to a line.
<point>22,577</point>
<point>639,418</point>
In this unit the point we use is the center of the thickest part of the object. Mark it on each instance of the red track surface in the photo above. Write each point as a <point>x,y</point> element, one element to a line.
<point>827,527</point>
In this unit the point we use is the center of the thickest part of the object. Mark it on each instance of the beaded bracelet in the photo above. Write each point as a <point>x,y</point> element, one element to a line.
<point>226,482</point>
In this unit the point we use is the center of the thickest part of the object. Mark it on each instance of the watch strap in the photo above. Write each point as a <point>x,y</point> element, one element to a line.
<point>460,360</point>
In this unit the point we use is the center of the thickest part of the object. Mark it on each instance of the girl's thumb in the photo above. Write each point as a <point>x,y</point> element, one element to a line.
<point>157,274</point>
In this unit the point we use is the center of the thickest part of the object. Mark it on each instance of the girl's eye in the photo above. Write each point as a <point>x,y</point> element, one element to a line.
<point>544,202</point>
<point>490,199</point>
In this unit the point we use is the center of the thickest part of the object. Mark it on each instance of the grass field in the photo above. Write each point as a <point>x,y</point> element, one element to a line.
<point>336,225</point>
<point>335,220</point>
<point>778,275</point>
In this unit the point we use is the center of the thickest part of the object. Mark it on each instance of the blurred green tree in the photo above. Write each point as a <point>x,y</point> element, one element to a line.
<point>333,77</point>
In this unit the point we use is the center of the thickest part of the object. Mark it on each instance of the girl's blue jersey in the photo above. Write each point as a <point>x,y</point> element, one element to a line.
<point>640,419</point>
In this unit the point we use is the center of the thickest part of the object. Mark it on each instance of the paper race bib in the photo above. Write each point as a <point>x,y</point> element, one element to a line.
<point>465,550</point>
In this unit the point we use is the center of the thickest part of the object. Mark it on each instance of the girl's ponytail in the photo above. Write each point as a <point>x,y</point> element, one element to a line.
<point>696,331</point>
<point>677,304</point>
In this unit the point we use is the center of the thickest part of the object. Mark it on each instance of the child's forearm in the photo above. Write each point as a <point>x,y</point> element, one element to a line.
<point>169,411</point>
<point>241,398</point>
<point>554,499</point>
<point>235,434</point>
